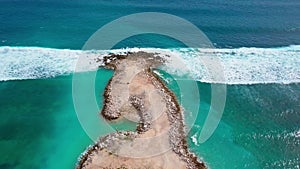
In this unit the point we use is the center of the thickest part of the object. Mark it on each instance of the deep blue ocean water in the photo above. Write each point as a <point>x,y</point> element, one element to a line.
<point>68,24</point>
<point>260,127</point>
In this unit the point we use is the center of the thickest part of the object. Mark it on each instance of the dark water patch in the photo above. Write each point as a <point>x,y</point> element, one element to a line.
<point>61,24</point>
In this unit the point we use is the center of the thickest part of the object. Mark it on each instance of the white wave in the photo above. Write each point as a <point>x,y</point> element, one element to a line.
<point>284,163</point>
<point>296,134</point>
<point>30,63</point>
<point>246,65</point>
<point>195,139</point>
<point>240,65</point>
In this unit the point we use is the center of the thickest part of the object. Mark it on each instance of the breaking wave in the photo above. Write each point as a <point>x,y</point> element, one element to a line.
<point>239,65</point>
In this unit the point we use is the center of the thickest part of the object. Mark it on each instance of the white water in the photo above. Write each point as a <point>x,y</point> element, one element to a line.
<point>240,65</point>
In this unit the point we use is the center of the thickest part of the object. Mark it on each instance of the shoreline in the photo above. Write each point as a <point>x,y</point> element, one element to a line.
<point>168,125</point>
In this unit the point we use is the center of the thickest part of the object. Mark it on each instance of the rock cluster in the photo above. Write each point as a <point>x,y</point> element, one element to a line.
<point>145,117</point>
<point>108,111</point>
<point>108,141</point>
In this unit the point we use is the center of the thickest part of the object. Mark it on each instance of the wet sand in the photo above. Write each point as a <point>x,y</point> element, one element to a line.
<point>136,93</point>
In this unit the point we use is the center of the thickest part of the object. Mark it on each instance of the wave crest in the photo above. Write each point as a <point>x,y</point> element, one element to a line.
<point>241,65</point>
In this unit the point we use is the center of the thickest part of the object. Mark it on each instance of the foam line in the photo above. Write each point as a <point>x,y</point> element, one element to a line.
<point>240,65</point>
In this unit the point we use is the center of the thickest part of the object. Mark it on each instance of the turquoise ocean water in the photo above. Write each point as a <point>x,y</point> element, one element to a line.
<point>260,127</point>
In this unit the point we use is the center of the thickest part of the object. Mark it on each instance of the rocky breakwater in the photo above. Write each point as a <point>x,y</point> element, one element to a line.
<point>136,93</point>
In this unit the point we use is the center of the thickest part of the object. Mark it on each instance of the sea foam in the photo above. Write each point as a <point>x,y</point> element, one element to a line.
<point>239,65</point>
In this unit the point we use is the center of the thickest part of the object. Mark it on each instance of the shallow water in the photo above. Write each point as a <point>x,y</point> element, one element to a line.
<point>39,126</point>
